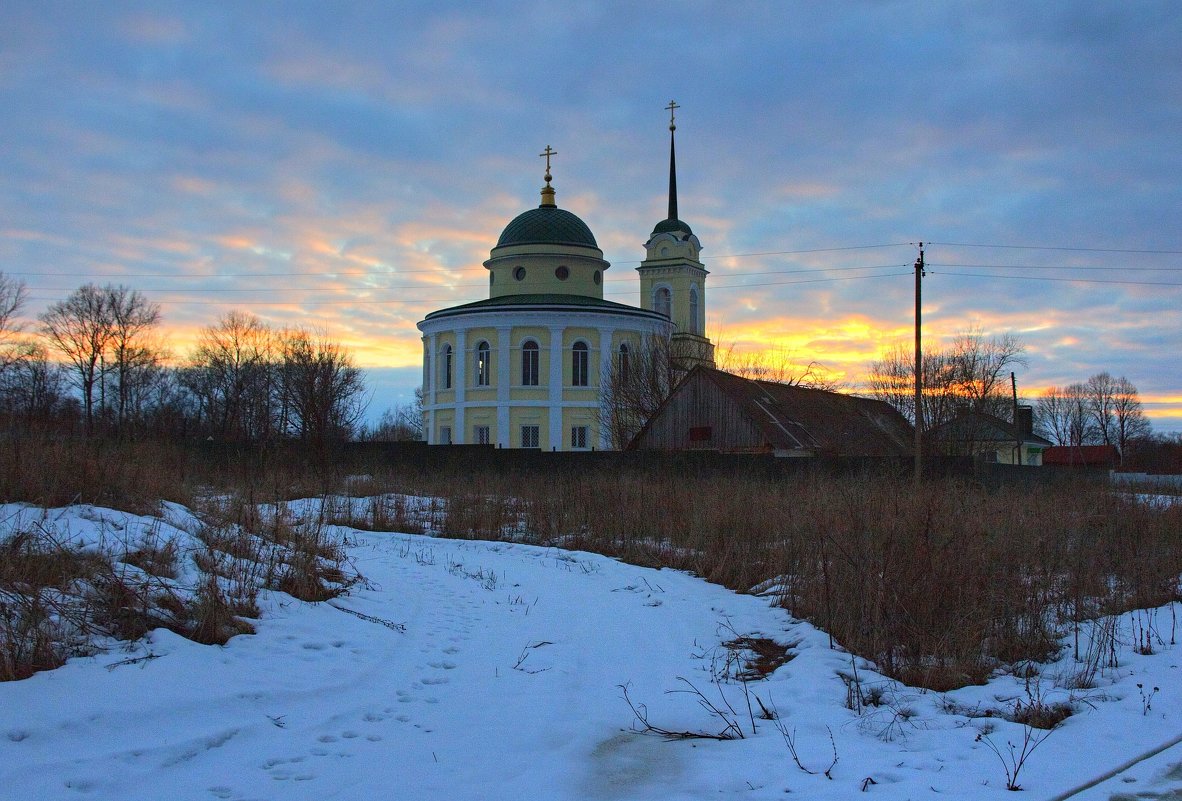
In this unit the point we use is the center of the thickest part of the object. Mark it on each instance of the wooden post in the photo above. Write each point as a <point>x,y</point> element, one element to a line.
<point>918,367</point>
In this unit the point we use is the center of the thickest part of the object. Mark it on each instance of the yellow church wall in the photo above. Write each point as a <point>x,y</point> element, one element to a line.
<point>529,416</point>
<point>518,336</point>
<point>540,268</point>
<point>580,417</point>
<point>481,416</point>
<point>591,337</point>
<point>445,419</point>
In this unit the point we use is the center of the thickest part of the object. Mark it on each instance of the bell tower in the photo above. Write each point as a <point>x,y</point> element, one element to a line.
<point>673,279</point>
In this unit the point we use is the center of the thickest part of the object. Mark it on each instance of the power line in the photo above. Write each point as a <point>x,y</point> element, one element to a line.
<point>806,281</point>
<point>753,254</point>
<point>789,252</point>
<point>1052,247</point>
<point>455,286</point>
<point>334,273</point>
<point>452,300</point>
<point>1121,267</point>
<point>1068,280</point>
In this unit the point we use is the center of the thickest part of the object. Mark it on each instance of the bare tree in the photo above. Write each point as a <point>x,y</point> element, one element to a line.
<point>79,327</point>
<point>30,386</point>
<point>403,423</point>
<point>1101,397</point>
<point>979,369</point>
<point>1062,415</point>
<point>16,351</point>
<point>232,377</point>
<point>12,297</point>
<point>322,392</point>
<point>1101,411</point>
<point>778,366</point>
<point>892,379</point>
<point>1131,424</point>
<point>134,356</point>
<point>968,375</point>
<point>634,385</point>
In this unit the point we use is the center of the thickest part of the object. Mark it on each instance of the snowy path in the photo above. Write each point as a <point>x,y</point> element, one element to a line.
<point>505,685</point>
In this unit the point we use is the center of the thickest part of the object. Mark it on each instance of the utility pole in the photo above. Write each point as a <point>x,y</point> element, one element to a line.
<point>919,273</point>
<point>1018,433</point>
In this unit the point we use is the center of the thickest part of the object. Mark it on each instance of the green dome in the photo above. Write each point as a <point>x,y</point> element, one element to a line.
<point>547,225</point>
<point>672,226</point>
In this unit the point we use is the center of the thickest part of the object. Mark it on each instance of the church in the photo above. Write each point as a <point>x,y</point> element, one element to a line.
<point>528,367</point>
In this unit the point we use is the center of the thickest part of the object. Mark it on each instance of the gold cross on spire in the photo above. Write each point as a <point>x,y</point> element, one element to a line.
<point>547,153</point>
<point>672,108</point>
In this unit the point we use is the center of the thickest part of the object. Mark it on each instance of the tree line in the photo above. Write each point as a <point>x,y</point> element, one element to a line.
<point>971,375</point>
<point>97,363</point>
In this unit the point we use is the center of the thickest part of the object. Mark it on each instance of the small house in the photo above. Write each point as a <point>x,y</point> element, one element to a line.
<point>991,438</point>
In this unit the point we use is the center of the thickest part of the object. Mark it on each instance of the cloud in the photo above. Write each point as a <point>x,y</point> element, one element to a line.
<point>352,165</point>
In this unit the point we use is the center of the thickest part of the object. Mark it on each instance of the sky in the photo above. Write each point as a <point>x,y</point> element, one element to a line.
<point>348,166</point>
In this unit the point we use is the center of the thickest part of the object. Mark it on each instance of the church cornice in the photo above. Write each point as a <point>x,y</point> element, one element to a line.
<point>545,314</point>
<point>673,267</point>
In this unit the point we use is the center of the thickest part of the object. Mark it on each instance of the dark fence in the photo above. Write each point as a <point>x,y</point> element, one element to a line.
<point>418,457</point>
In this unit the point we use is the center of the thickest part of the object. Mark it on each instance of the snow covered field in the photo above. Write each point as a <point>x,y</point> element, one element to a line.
<point>476,670</point>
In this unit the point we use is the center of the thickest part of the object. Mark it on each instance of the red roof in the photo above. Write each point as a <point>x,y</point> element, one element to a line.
<point>1082,456</point>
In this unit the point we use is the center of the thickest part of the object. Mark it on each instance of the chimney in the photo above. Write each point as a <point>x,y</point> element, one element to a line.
<point>1024,421</point>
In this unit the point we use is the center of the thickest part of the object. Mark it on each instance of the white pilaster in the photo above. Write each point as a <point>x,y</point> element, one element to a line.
<point>606,349</point>
<point>461,384</point>
<point>504,377</point>
<point>431,388</point>
<point>557,372</point>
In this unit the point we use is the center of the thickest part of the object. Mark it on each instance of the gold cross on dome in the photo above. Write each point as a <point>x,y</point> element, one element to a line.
<point>548,152</point>
<point>672,108</point>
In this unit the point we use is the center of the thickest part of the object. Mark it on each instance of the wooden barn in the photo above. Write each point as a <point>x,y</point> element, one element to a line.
<point>713,410</point>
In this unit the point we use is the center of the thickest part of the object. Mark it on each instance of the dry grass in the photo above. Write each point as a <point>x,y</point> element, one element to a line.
<point>55,598</point>
<point>939,584</point>
<point>57,471</point>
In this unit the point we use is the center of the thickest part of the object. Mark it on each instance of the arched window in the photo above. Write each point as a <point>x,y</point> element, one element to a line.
<point>625,361</point>
<point>483,365</point>
<point>447,354</point>
<point>693,311</point>
<point>663,301</point>
<point>529,364</point>
<point>578,364</point>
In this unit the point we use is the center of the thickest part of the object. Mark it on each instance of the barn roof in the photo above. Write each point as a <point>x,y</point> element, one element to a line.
<point>793,418</point>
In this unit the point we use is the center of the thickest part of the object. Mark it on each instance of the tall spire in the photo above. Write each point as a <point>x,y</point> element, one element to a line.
<point>672,161</point>
<point>547,190</point>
